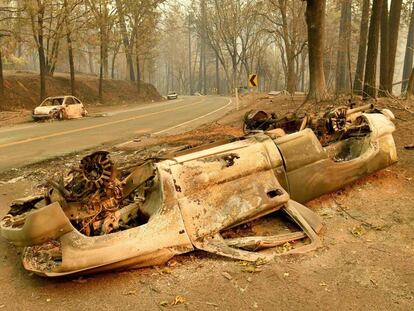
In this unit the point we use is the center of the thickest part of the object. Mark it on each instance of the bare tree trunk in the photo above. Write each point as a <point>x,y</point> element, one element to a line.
<point>167,75</point>
<point>42,68</point>
<point>409,52</point>
<point>302,70</point>
<point>150,71</point>
<point>137,63</point>
<point>372,51</point>
<point>394,25</point>
<point>384,56</point>
<point>217,76</point>
<point>125,39</point>
<point>291,76</point>
<point>20,7</point>
<point>41,50</point>
<point>204,70</point>
<point>204,46</point>
<point>138,73</point>
<point>70,49</point>
<point>101,70</point>
<point>190,72</point>
<point>143,63</point>
<point>410,87</point>
<point>362,49</point>
<point>105,59</point>
<point>71,64</point>
<point>291,73</point>
<point>90,61</point>
<point>1,76</point>
<point>200,70</point>
<point>342,75</point>
<point>115,54</point>
<point>315,20</point>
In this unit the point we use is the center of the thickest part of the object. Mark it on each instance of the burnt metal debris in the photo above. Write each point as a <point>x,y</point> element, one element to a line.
<point>98,218</point>
<point>334,120</point>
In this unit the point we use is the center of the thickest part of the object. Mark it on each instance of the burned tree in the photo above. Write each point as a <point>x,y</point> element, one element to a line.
<point>125,38</point>
<point>390,22</point>
<point>342,66</point>
<point>408,59</point>
<point>410,86</point>
<point>372,51</point>
<point>394,25</point>
<point>315,19</point>
<point>362,48</point>
<point>1,75</point>
<point>384,46</point>
<point>37,15</point>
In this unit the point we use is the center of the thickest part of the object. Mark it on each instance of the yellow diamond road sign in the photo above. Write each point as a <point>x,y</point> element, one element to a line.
<point>253,80</point>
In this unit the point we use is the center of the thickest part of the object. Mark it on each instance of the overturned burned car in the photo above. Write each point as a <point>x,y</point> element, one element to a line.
<point>97,218</point>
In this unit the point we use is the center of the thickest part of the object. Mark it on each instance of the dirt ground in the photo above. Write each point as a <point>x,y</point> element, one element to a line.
<point>366,262</point>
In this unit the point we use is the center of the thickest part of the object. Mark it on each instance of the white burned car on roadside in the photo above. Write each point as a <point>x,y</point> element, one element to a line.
<point>59,107</point>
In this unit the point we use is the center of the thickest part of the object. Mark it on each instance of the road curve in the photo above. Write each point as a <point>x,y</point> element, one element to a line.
<point>33,142</point>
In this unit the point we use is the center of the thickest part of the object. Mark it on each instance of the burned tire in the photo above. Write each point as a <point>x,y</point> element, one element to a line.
<point>258,121</point>
<point>60,115</point>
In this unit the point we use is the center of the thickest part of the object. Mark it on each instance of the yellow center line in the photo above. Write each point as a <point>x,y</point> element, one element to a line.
<point>28,140</point>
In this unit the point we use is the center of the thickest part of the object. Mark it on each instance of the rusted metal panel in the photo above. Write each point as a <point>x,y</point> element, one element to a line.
<point>39,226</point>
<point>229,186</point>
<point>326,174</point>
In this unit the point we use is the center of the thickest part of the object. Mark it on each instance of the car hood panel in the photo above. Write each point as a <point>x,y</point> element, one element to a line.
<point>45,109</point>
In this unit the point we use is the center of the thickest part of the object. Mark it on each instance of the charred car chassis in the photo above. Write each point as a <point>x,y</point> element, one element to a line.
<point>95,220</point>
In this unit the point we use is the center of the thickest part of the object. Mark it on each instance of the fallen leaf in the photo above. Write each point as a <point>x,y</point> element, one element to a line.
<point>130,293</point>
<point>358,231</point>
<point>164,303</point>
<point>227,275</point>
<point>165,271</point>
<point>260,262</point>
<point>154,289</point>
<point>285,248</point>
<point>178,300</point>
<point>251,269</point>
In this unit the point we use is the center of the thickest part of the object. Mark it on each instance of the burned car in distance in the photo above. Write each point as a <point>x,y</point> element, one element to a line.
<point>96,218</point>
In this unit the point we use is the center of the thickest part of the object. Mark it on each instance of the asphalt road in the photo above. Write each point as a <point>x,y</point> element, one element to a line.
<point>28,143</point>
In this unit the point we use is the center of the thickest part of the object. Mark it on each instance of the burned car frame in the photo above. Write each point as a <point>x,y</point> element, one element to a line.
<point>95,220</point>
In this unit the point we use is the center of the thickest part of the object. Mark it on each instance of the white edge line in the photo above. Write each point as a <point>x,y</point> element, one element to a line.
<point>190,121</point>
<point>152,105</point>
<point>185,123</point>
